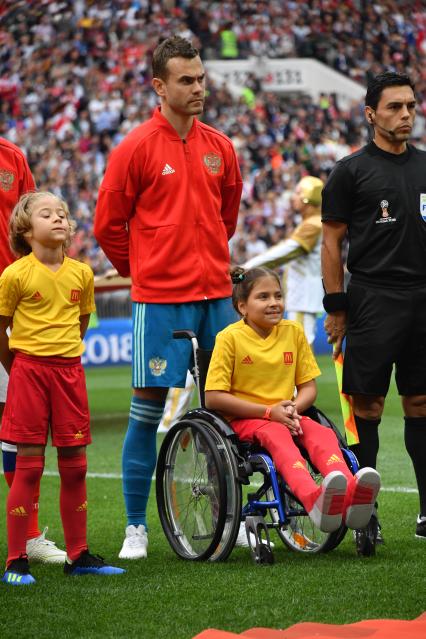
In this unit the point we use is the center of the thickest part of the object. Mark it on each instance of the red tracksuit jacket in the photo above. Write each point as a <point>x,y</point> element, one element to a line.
<point>166,209</point>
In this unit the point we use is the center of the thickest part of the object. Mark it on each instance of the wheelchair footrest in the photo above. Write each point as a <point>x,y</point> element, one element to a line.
<point>366,538</point>
<point>258,539</point>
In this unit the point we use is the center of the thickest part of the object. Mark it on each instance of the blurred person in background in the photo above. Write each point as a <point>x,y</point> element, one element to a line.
<point>301,253</point>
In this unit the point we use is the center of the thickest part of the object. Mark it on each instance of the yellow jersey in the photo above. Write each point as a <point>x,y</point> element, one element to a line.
<point>261,370</point>
<point>46,305</point>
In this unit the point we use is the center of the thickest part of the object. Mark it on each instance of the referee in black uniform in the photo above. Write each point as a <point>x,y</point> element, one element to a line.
<point>377,197</point>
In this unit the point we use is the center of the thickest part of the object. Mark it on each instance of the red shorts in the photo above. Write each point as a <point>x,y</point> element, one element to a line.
<point>43,392</point>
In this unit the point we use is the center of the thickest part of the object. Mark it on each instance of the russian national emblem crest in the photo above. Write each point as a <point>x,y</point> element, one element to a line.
<point>213,163</point>
<point>6,179</point>
<point>157,366</point>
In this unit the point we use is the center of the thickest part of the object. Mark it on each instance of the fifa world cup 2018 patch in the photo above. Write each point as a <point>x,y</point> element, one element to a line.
<point>6,179</point>
<point>423,206</point>
<point>385,216</point>
<point>157,366</point>
<point>213,163</point>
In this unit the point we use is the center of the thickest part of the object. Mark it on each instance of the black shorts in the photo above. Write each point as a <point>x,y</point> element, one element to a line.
<point>385,327</point>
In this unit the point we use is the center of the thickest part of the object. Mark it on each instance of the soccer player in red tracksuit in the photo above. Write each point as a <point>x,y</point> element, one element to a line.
<point>166,209</point>
<point>15,180</point>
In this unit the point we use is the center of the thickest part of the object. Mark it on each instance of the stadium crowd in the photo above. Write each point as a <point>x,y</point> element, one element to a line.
<point>75,79</point>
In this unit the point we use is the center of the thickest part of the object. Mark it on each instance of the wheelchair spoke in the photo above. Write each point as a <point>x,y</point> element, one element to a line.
<point>189,491</point>
<point>299,533</point>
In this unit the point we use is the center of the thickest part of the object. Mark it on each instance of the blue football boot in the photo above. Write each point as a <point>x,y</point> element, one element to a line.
<point>18,573</point>
<point>88,564</point>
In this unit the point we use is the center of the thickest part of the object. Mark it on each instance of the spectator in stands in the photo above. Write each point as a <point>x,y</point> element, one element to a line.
<point>55,58</point>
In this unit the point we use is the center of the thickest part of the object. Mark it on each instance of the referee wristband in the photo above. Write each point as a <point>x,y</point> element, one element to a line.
<point>333,302</point>
<point>267,413</point>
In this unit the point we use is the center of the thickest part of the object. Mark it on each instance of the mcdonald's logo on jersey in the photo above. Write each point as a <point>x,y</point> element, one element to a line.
<point>75,295</point>
<point>288,358</point>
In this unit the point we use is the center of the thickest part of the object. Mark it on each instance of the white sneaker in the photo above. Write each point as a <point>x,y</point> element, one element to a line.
<point>242,541</point>
<point>44,551</point>
<point>135,544</point>
<point>326,512</point>
<point>360,498</point>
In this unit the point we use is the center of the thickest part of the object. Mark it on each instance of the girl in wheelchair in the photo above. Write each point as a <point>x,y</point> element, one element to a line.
<point>256,365</point>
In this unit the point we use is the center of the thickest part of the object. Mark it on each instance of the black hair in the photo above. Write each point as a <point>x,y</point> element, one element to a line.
<point>173,47</point>
<point>244,280</point>
<point>382,81</point>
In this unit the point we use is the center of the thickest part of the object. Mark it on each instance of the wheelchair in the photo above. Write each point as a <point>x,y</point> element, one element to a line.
<point>201,469</point>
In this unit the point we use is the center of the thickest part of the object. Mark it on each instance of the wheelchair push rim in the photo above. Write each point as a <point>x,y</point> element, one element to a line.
<point>191,491</point>
<point>233,494</point>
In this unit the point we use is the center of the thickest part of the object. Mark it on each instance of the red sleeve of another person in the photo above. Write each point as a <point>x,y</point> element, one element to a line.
<point>15,180</point>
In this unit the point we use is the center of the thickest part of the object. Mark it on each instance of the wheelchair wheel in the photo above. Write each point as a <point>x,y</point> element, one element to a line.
<point>191,490</point>
<point>233,494</point>
<point>300,533</point>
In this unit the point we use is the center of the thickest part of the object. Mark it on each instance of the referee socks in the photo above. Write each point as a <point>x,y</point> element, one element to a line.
<point>367,449</point>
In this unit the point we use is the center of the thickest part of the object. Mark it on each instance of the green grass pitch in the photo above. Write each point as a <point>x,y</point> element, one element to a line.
<point>165,597</point>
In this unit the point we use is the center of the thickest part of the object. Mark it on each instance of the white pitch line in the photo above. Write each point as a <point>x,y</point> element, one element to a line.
<point>398,489</point>
<point>385,489</point>
<point>108,416</point>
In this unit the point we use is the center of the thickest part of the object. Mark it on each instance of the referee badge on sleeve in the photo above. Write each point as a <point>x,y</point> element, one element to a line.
<point>423,206</point>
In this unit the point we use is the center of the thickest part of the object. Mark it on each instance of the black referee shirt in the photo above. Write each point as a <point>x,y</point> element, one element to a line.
<point>382,198</point>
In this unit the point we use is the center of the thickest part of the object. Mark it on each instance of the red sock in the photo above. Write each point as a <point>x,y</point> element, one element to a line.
<point>19,503</point>
<point>73,503</point>
<point>33,526</point>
